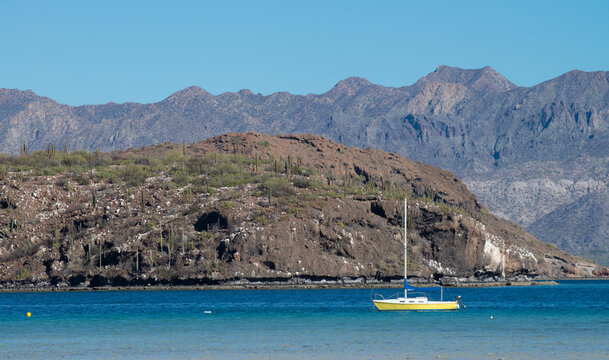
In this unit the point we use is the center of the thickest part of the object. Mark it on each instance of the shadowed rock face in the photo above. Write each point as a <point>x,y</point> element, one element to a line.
<point>505,141</point>
<point>212,220</point>
<point>157,233</point>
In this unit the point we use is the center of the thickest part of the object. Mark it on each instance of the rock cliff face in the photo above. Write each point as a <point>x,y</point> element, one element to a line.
<point>251,207</point>
<point>473,122</point>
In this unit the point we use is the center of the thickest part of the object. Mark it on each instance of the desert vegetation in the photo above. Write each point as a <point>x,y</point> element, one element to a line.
<point>184,213</point>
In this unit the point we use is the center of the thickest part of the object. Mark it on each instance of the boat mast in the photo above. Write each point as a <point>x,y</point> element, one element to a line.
<point>405,250</point>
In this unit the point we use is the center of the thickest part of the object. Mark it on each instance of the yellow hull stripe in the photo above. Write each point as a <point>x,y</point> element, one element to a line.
<point>403,306</point>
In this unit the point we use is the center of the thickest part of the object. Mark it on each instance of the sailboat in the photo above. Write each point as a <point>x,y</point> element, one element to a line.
<point>416,301</point>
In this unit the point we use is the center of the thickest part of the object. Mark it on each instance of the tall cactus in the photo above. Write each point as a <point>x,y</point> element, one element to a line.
<point>93,199</point>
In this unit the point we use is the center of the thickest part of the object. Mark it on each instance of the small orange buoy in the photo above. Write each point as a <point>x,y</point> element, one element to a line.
<point>28,314</point>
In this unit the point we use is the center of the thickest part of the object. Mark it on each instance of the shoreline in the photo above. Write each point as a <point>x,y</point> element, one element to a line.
<point>274,286</point>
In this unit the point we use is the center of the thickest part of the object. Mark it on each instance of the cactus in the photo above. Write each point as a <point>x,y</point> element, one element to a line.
<point>298,168</point>
<point>161,232</point>
<point>51,151</point>
<point>170,245</point>
<point>288,166</point>
<point>330,176</point>
<point>55,235</point>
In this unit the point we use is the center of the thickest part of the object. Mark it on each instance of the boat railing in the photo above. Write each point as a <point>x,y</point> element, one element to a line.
<point>378,296</point>
<point>417,294</point>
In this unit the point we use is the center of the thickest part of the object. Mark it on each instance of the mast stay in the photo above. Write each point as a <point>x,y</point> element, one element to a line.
<point>405,249</point>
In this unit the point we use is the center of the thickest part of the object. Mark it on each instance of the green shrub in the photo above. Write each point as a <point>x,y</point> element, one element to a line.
<point>197,166</point>
<point>181,178</point>
<point>309,171</point>
<point>204,235</point>
<point>225,205</point>
<point>276,186</point>
<point>225,168</point>
<point>305,183</point>
<point>175,158</point>
<point>227,180</point>
<point>82,180</point>
<point>22,274</point>
<point>132,174</point>
<point>75,159</point>
<point>335,195</point>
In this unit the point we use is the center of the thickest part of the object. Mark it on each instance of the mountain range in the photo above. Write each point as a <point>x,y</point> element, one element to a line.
<point>529,153</point>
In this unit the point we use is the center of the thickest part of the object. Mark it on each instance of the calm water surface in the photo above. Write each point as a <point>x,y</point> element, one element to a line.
<point>570,321</point>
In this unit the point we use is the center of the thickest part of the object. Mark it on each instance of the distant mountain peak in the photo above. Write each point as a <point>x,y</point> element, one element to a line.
<point>18,93</point>
<point>579,76</point>
<point>354,82</point>
<point>192,91</point>
<point>245,92</point>
<point>12,97</point>
<point>484,79</point>
<point>349,87</point>
<point>188,94</point>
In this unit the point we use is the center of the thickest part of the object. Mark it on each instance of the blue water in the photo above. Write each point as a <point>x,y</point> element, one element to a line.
<point>570,321</point>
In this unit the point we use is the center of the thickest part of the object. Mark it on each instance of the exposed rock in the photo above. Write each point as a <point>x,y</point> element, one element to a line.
<point>160,234</point>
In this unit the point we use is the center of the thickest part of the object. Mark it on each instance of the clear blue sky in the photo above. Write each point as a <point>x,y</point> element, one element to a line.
<point>85,52</point>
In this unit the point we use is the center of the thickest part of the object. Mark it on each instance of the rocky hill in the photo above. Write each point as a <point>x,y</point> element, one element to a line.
<point>508,143</point>
<point>251,208</point>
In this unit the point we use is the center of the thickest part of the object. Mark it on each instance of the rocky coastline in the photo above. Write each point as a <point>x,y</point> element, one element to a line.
<point>293,284</point>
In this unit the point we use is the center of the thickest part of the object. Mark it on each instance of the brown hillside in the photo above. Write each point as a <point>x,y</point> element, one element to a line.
<point>249,208</point>
<point>328,156</point>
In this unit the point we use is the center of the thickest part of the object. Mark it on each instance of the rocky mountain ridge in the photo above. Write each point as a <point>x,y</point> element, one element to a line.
<point>252,208</point>
<point>473,122</point>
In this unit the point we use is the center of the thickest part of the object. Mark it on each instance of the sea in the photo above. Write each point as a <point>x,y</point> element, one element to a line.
<point>567,321</point>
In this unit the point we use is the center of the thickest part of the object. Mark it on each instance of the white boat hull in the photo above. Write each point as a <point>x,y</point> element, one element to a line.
<point>420,303</point>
